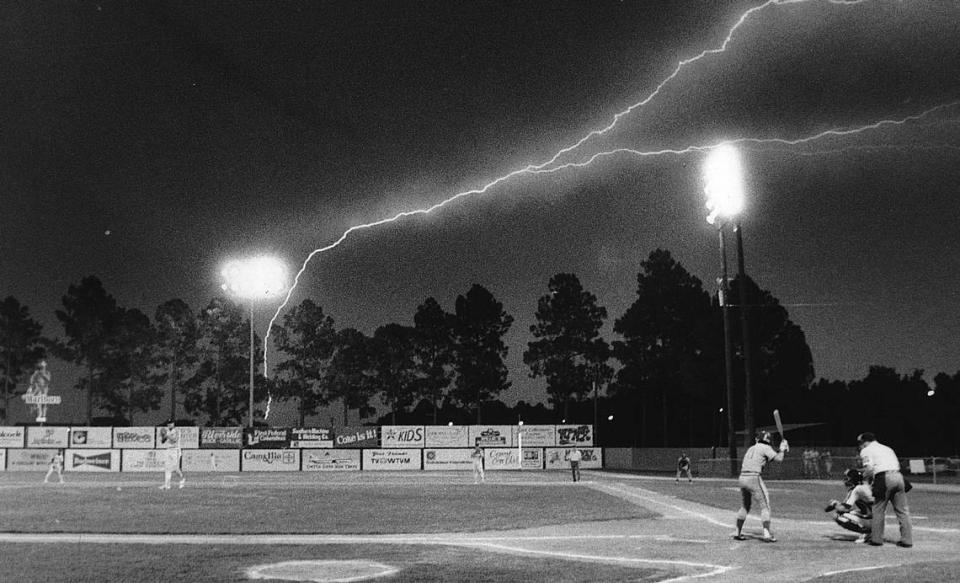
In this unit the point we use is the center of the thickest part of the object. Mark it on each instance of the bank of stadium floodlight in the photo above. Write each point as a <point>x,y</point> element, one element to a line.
<point>252,280</point>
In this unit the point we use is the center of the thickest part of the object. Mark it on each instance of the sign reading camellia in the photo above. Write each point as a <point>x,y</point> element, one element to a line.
<point>270,460</point>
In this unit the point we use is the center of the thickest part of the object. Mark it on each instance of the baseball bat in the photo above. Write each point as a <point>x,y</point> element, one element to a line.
<point>776,419</point>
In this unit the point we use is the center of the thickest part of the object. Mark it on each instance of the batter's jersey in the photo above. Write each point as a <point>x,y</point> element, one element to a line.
<point>756,458</point>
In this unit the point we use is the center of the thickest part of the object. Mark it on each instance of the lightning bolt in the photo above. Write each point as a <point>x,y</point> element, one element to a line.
<point>553,164</point>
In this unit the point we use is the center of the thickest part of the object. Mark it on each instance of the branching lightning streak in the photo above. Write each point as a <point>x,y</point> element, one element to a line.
<point>551,165</point>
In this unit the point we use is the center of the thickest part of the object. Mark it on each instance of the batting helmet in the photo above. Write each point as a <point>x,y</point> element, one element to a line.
<point>763,437</point>
<point>852,477</point>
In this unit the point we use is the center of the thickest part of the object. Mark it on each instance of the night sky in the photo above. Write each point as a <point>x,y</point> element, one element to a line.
<point>148,142</point>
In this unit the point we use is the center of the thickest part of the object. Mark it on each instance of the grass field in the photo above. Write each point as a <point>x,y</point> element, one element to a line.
<point>431,527</point>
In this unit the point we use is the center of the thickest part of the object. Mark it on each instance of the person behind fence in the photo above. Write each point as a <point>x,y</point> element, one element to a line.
<point>855,513</point>
<point>56,465</point>
<point>575,457</point>
<point>752,486</point>
<point>882,467</point>
<point>683,466</point>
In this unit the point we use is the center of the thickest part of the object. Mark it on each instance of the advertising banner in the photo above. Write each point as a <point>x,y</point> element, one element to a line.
<point>535,435</point>
<point>491,436</point>
<point>3,460</point>
<point>391,459</point>
<point>311,437</point>
<point>270,460</point>
<point>210,460</point>
<point>93,437</point>
<point>266,437</point>
<point>29,460</point>
<point>331,460</point>
<point>401,436</point>
<point>12,436</point>
<point>568,435</point>
<point>48,436</point>
<point>356,437</point>
<point>221,437</point>
<point>189,436</point>
<point>134,437</point>
<point>446,436</point>
<point>143,460</point>
<point>92,460</point>
<point>448,459</point>
<point>557,458</point>
<point>506,459</point>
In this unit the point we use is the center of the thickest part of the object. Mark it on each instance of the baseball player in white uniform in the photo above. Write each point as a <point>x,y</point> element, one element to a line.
<point>170,439</point>
<point>752,486</point>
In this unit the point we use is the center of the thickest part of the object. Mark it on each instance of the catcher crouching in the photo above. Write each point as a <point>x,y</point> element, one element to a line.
<point>855,512</point>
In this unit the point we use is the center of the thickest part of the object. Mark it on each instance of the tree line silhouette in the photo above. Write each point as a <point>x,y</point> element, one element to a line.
<point>659,383</point>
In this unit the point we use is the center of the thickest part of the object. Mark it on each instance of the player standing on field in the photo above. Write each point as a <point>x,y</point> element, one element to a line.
<point>575,457</point>
<point>170,439</point>
<point>882,466</point>
<point>477,457</point>
<point>752,486</point>
<point>56,465</point>
<point>683,466</point>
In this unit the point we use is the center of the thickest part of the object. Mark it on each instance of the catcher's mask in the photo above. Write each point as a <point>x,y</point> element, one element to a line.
<point>852,478</point>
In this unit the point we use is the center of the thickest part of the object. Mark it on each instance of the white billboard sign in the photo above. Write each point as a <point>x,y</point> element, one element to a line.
<point>558,458</point>
<point>143,460</point>
<point>491,436</point>
<point>331,460</point>
<point>270,460</point>
<point>447,459</point>
<point>91,437</point>
<point>506,459</point>
<point>446,436</point>
<point>535,435</point>
<point>12,436</point>
<point>3,460</point>
<point>134,437</point>
<point>210,460</point>
<point>401,436</point>
<point>26,460</point>
<point>391,459</point>
<point>48,436</point>
<point>92,460</point>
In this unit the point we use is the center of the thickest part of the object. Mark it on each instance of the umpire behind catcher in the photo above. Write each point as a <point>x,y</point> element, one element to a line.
<point>881,465</point>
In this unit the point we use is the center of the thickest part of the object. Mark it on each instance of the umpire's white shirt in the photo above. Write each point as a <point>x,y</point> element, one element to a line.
<point>879,458</point>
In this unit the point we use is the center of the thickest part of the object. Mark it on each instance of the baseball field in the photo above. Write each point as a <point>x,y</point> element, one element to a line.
<point>440,526</point>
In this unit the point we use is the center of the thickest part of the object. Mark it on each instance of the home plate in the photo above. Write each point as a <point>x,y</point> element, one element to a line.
<point>321,571</point>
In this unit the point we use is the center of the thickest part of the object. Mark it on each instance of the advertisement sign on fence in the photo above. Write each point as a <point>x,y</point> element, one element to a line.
<point>356,437</point>
<point>92,460</point>
<point>189,436</point>
<point>311,437</point>
<point>28,460</point>
<point>270,460</point>
<point>447,459</point>
<point>12,436</point>
<point>48,436</point>
<point>557,458</point>
<point>210,460</point>
<point>331,460</point>
<point>221,437</point>
<point>535,435</point>
<point>391,459</point>
<point>266,437</point>
<point>92,437</point>
<point>3,460</point>
<point>143,460</point>
<point>491,436</point>
<point>568,435</point>
<point>506,459</point>
<point>446,436</point>
<point>401,436</point>
<point>133,437</point>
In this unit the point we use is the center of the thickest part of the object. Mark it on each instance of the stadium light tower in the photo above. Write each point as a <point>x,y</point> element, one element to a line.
<point>254,279</point>
<point>724,190</point>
